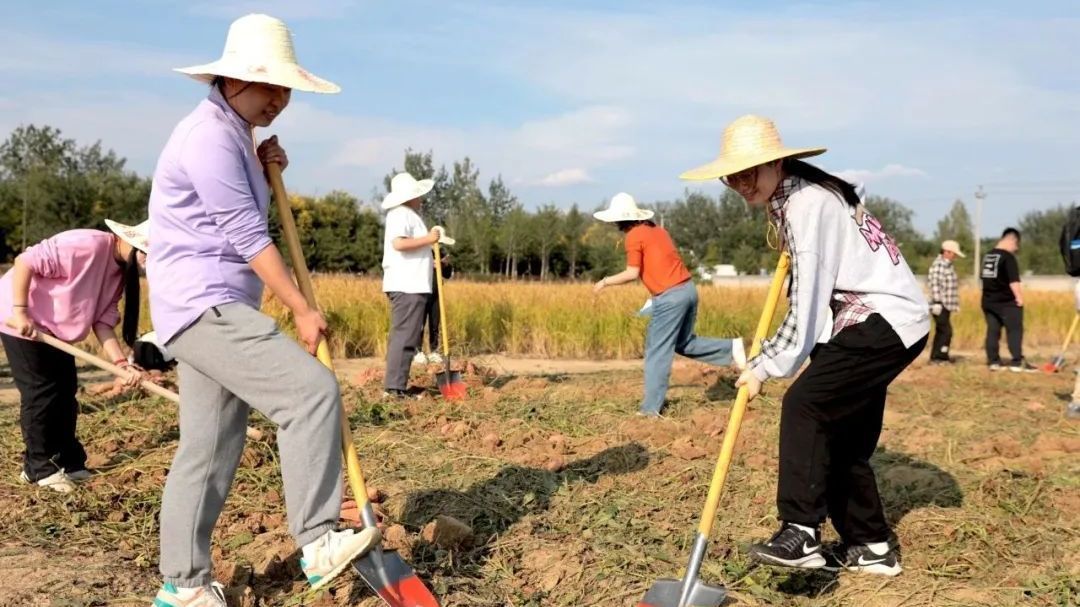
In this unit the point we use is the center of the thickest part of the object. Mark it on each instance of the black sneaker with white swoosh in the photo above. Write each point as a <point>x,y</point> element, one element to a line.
<point>790,547</point>
<point>863,559</point>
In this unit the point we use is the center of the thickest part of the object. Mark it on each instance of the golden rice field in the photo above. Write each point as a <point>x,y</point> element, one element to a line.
<point>561,320</point>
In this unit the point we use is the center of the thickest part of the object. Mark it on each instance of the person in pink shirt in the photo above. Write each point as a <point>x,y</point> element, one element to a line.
<point>66,286</point>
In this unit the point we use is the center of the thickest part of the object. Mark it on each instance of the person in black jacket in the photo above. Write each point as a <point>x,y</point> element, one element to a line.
<point>1003,302</point>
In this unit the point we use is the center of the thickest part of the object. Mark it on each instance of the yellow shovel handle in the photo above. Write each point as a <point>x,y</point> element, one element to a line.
<point>303,280</point>
<point>723,462</point>
<point>1072,330</point>
<point>442,306</point>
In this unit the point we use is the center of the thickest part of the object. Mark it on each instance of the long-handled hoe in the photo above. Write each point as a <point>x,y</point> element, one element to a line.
<point>690,591</point>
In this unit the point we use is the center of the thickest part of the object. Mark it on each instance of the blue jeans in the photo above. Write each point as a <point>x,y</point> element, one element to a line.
<point>671,331</point>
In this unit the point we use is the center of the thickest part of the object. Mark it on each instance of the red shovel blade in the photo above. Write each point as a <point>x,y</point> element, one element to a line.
<point>451,386</point>
<point>393,580</point>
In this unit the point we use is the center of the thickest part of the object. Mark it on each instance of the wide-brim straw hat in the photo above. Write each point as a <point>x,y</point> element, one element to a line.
<point>403,188</point>
<point>136,236</point>
<point>259,48</point>
<point>747,142</point>
<point>623,207</point>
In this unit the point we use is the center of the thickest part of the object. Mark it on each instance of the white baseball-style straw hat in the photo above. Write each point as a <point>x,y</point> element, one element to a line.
<point>259,48</point>
<point>953,246</point>
<point>747,142</point>
<point>623,207</point>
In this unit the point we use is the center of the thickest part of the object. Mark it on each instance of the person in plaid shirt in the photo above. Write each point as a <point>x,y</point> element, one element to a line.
<point>944,299</point>
<point>857,312</point>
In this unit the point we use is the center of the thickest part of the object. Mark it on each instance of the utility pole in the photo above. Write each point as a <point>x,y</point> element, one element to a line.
<point>979,196</point>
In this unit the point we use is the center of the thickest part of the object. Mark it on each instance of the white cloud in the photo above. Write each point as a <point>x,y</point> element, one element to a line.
<point>37,55</point>
<point>885,172</point>
<point>563,178</point>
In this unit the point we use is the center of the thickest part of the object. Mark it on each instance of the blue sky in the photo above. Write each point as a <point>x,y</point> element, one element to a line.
<point>575,101</point>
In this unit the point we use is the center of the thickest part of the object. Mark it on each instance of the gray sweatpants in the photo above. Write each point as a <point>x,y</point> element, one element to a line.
<point>233,357</point>
<point>406,332</point>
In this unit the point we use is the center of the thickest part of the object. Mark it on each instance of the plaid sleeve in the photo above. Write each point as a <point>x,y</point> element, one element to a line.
<point>936,280</point>
<point>808,314</point>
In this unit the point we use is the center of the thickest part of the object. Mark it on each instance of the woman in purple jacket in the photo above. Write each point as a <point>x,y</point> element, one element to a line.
<point>212,256</point>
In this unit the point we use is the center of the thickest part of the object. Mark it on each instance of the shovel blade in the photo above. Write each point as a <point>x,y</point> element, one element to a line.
<point>393,580</point>
<point>451,386</point>
<point>668,593</point>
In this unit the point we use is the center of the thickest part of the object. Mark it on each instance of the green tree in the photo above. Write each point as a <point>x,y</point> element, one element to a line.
<point>48,184</point>
<point>573,233</point>
<point>547,231</point>
<point>1040,231</point>
<point>514,239</point>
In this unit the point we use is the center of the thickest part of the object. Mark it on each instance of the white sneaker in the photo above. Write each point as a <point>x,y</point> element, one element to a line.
<point>738,353</point>
<point>329,555</point>
<point>420,358</point>
<point>435,358</point>
<point>203,596</point>
<point>59,482</point>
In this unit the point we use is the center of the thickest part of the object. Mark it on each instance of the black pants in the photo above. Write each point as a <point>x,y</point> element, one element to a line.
<point>942,335</point>
<point>1010,316</point>
<point>47,385</point>
<point>431,317</point>
<point>406,332</point>
<point>829,427</point>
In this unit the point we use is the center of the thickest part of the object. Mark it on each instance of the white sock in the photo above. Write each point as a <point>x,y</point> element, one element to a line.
<point>812,531</point>
<point>879,548</point>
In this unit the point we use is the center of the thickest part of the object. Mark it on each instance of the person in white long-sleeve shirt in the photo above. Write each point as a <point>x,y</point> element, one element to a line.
<point>857,312</point>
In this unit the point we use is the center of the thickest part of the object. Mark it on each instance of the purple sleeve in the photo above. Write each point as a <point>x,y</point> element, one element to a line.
<point>214,163</point>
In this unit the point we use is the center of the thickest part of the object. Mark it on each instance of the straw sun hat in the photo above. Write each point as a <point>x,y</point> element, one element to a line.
<point>259,48</point>
<point>136,236</point>
<point>403,188</point>
<point>623,207</point>
<point>747,142</point>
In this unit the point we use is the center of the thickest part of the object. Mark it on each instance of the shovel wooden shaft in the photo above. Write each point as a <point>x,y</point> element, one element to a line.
<point>303,281</point>
<point>723,462</point>
<point>442,306</point>
<point>1069,336</point>
<point>104,365</point>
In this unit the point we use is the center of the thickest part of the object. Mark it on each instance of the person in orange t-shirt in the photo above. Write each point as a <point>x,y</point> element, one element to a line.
<point>651,256</point>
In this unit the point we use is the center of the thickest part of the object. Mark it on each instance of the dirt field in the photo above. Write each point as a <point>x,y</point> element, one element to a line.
<point>572,500</point>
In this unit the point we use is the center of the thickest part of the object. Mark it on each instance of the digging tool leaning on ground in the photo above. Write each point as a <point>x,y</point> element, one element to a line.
<point>66,286</point>
<point>209,213</point>
<point>384,572</point>
<point>857,312</point>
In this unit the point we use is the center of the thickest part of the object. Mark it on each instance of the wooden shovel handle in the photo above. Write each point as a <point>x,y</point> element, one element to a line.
<point>731,434</point>
<point>104,365</point>
<point>303,281</point>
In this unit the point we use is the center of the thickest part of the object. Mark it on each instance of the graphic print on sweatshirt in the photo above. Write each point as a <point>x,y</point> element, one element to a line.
<point>991,265</point>
<point>876,236</point>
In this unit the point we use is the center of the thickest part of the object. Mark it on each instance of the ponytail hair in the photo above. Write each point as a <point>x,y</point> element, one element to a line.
<point>132,298</point>
<point>808,172</point>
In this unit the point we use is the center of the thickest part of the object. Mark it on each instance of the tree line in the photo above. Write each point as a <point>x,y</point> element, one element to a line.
<point>49,183</point>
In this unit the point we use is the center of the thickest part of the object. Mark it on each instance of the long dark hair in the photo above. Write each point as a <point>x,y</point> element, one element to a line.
<point>624,226</point>
<point>809,172</point>
<point>132,297</point>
